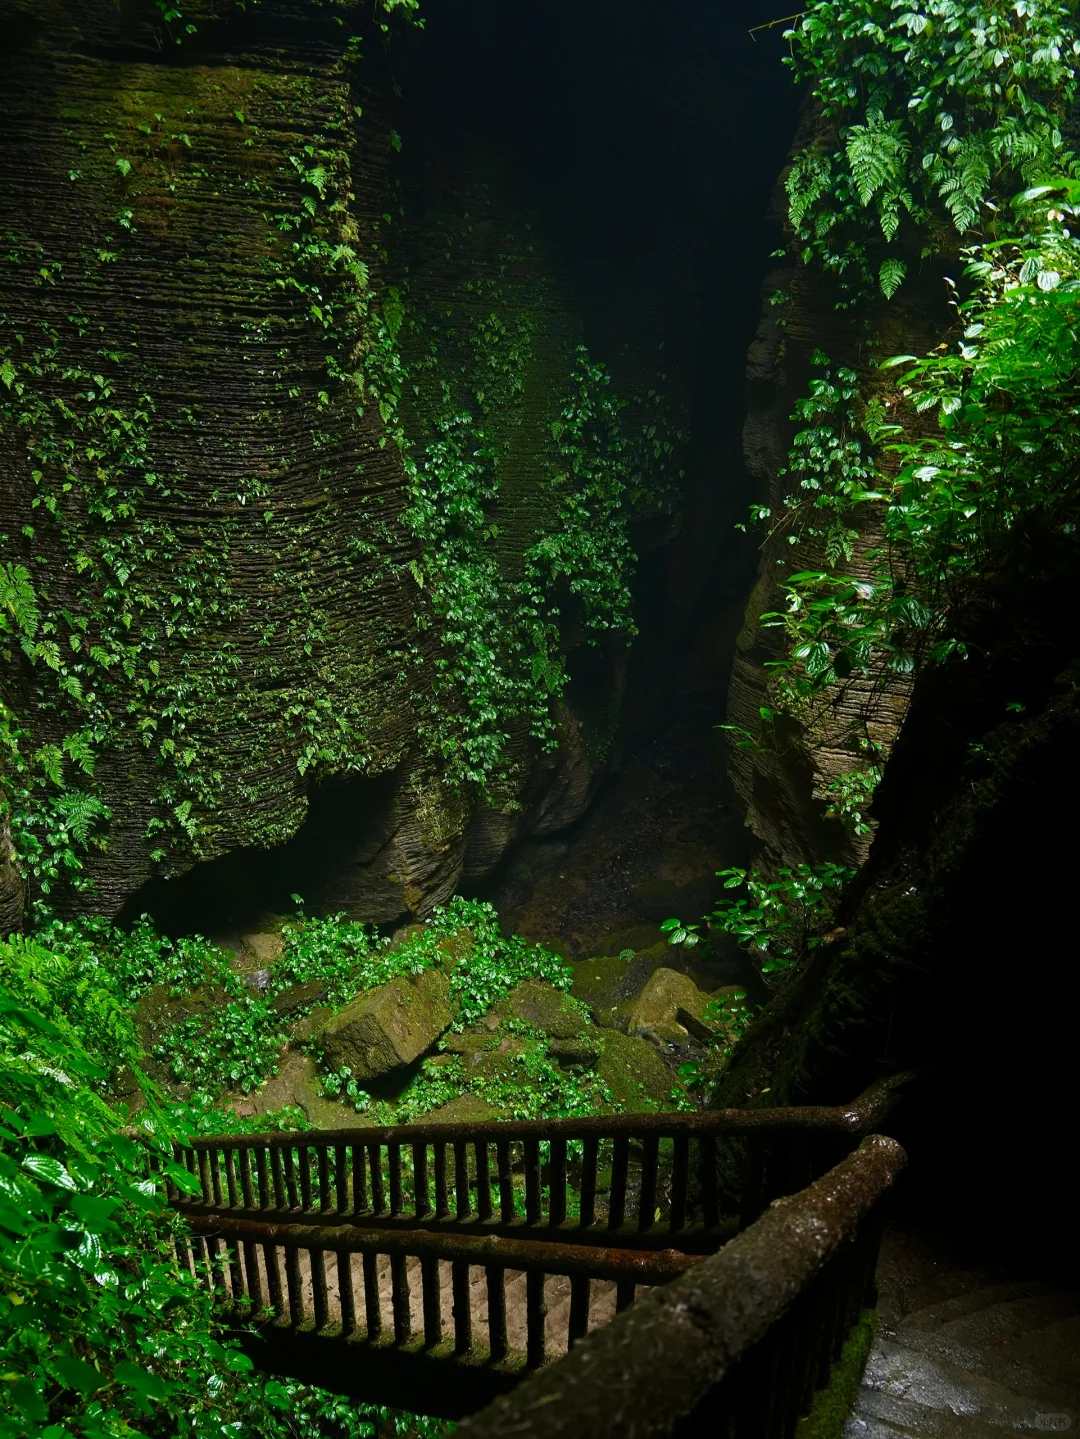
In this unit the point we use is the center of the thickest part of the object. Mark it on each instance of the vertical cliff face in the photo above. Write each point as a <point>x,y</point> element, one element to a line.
<point>784,765</point>
<point>309,494</point>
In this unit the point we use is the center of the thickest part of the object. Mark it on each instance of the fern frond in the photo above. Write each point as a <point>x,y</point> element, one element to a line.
<point>810,178</point>
<point>877,153</point>
<point>891,277</point>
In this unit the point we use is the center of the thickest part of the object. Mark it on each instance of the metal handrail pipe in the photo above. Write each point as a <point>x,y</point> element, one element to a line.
<point>851,1120</point>
<point>638,1266</point>
<point>650,1369</point>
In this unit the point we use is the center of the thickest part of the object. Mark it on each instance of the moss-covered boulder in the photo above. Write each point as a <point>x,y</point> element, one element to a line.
<point>296,1086</point>
<point>388,1026</point>
<point>633,1070</point>
<point>584,1051</point>
<point>546,1008</point>
<point>656,1009</point>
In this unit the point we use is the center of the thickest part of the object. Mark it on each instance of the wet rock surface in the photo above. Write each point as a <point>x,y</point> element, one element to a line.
<point>966,1350</point>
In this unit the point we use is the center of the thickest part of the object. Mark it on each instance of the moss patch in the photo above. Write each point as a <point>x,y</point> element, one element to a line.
<point>833,1404</point>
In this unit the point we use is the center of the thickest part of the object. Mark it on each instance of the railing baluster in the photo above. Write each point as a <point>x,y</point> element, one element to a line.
<point>318,1288</point>
<point>262,1172</point>
<point>535,1314</point>
<point>557,1172</point>
<point>533,1207</point>
<point>625,1290</point>
<point>461,1180</point>
<point>290,1177</point>
<point>215,1278</point>
<point>432,1297</point>
<point>359,1180</point>
<point>204,1177</point>
<point>277,1163</point>
<point>649,1168</point>
<point>399,1298</point>
<point>589,1162</point>
<point>420,1172</point>
<point>393,1160</point>
<point>304,1160</point>
<point>620,1161</point>
<point>459,1271</point>
<point>345,1292</point>
<point>496,1305</point>
<point>580,1295</point>
<point>215,1178</point>
<point>372,1308</point>
<point>236,1273</point>
<point>246,1188</point>
<point>293,1284</point>
<point>378,1193</point>
<point>680,1177</point>
<point>326,1198</point>
<point>483,1180</point>
<point>273,1278</point>
<point>230,1179</point>
<point>251,1269</point>
<point>710,1198</point>
<point>341,1178</point>
<point>442,1205</point>
<point>507,1210</point>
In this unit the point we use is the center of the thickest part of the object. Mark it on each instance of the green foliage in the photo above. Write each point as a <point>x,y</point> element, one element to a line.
<point>101,1332</point>
<point>1004,457</point>
<point>778,920</point>
<point>931,105</point>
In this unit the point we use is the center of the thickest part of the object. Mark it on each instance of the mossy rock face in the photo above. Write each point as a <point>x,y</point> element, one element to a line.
<point>546,1008</point>
<point>389,1026</point>
<point>296,1085</point>
<point>634,1072</point>
<point>466,1109</point>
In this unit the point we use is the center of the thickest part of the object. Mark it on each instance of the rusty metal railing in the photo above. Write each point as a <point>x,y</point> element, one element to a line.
<point>647,1179</point>
<point>736,1347</point>
<point>356,1259</point>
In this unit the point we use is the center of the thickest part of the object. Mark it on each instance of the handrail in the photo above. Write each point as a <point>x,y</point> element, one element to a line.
<point>683,1348</point>
<point>850,1120</point>
<point>638,1266</point>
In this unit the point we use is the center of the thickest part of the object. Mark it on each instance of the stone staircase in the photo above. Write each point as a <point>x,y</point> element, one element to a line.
<point>966,1351</point>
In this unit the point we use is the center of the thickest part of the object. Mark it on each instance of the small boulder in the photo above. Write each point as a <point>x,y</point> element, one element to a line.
<point>584,1052</point>
<point>546,1008</point>
<point>296,1084</point>
<point>388,1026</point>
<point>266,948</point>
<point>297,997</point>
<point>658,1004</point>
